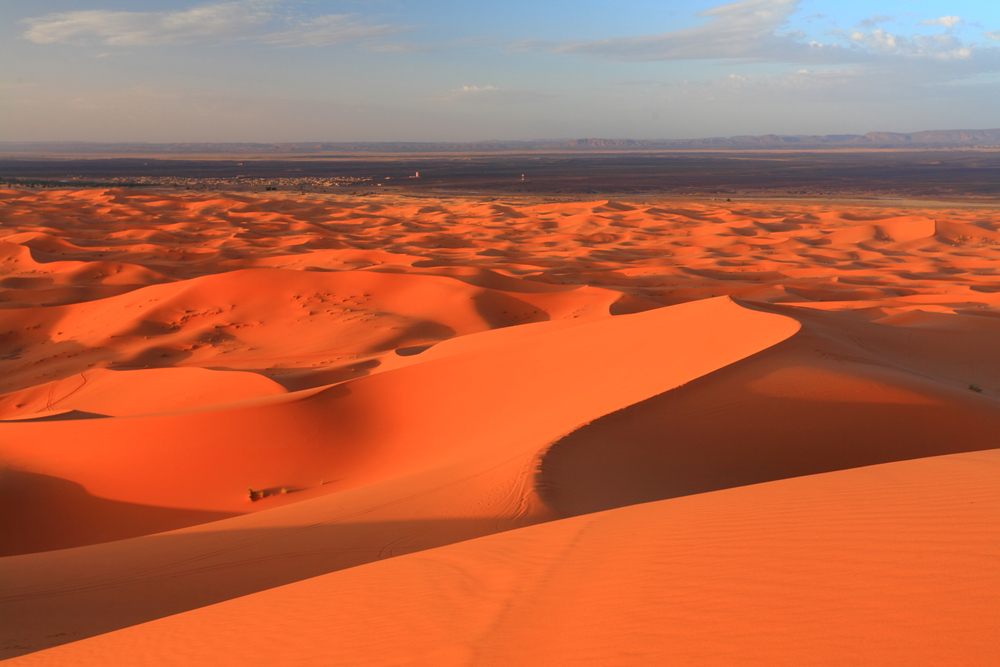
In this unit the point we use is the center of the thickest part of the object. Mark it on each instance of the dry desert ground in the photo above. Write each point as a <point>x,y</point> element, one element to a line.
<point>284,429</point>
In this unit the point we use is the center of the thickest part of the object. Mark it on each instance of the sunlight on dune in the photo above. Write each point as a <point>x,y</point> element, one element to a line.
<point>769,422</point>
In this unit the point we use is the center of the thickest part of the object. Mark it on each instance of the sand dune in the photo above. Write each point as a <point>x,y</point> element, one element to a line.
<point>208,397</point>
<point>887,565</point>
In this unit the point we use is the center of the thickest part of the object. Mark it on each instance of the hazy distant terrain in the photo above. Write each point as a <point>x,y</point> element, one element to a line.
<point>909,173</point>
<point>925,140</point>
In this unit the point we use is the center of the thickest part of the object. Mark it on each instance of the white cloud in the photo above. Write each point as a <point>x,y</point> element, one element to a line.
<point>476,89</point>
<point>993,34</point>
<point>751,31</point>
<point>149,28</point>
<point>330,29</point>
<point>940,47</point>
<point>946,21</point>
<point>226,21</point>
<point>874,20</point>
<point>744,29</point>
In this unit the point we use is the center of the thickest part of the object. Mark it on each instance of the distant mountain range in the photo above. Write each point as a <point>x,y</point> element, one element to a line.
<point>928,139</point>
<point>924,140</point>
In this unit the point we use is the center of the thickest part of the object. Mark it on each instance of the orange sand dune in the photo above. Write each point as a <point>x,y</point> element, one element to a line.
<point>393,424</point>
<point>889,565</point>
<point>204,397</point>
<point>104,392</point>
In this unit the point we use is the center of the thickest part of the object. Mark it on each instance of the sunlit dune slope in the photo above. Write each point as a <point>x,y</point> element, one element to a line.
<point>887,565</point>
<point>104,392</point>
<point>748,429</point>
<point>426,415</point>
<point>300,328</point>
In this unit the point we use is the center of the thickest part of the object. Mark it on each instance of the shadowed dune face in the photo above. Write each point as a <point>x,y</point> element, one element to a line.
<point>840,394</point>
<point>72,517</point>
<point>206,396</point>
<point>860,566</point>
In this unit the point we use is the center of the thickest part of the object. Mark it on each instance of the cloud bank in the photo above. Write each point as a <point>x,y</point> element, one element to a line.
<point>242,20</point>
<point>752,31</point>
<point>946,21</point>
<point>744,30</point>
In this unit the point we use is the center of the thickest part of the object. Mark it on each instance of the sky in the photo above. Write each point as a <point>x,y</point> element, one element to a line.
<point>450,70</point>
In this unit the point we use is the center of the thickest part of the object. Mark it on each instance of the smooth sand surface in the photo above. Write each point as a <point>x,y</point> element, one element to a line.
<point>893,564</point>
<point>750,432</point>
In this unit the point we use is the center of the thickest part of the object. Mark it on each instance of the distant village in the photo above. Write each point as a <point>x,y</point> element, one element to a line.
<point>239,182</point>
<point>253,183</point>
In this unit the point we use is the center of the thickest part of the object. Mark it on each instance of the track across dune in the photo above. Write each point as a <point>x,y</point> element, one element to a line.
<point>210,396</point>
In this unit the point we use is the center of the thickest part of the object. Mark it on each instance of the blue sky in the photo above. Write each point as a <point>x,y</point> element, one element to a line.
<point>442,70</point>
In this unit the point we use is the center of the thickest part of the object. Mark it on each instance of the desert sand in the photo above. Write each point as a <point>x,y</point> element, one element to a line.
<point>387,430</point>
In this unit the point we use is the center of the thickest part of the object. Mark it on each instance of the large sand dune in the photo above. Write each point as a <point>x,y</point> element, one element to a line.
<point>888,565</point>
<point>208,397</point>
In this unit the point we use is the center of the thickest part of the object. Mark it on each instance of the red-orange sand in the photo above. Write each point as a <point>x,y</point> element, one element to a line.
<point>755,433</point>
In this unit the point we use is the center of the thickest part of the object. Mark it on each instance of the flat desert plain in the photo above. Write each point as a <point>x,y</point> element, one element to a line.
<point>292,429</point>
